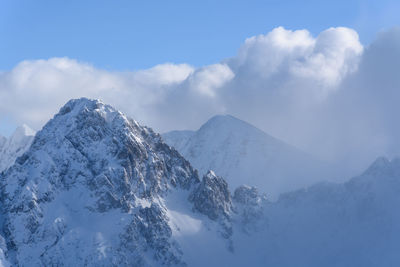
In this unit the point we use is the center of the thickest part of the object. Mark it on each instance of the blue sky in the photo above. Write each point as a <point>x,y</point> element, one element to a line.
<point>302,86</point>
<point>131,35</point>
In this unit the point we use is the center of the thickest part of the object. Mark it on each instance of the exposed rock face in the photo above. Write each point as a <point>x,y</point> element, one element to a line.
<point>155,233</point>
<point>212,197</point>
<point>90,177</point>
<point>97,189</point>
<point>246,195</point>
<point>249,206</point>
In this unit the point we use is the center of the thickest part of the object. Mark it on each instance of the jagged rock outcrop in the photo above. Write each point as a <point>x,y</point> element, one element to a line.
<point>97,189</point>
<point>212,197</point>
<point>90,177</point>
<point>249,207</point>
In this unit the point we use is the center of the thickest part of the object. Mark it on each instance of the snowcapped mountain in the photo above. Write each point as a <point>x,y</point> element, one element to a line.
<point>97,189</point>
<point>243,154</point>
<point>15,146</point>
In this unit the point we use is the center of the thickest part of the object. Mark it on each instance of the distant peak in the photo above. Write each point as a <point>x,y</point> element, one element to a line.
<point>26,129</point>
<point>378,165</point>
<point>22,131</point>
<point>221,117</point>
<point>224,120</point>
<point>380,162</point>
<point>229,123</point>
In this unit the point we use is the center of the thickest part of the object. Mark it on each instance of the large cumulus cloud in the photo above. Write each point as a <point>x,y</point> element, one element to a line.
<point>325,59</point>
<point>327,93</point>
<point>362,115</point>
<point>34,90</point>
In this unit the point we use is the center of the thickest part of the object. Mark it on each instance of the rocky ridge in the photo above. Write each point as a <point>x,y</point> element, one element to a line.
<point>97,189</point>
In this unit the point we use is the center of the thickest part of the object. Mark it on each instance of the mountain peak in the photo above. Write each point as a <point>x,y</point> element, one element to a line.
<point>383,165</point>
<point>90,162</point>
<point>379,165</point>
<point>244,154</point>
<point>13,147</point>
<point>90,117</point>
<point>23,130</point>
<point>222,126</point>
<point>223,117</point>
<point>84,105</point>
<point>226,120</point>
<point>80,102</point>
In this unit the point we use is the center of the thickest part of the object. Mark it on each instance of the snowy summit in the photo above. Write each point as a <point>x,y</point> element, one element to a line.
<point>95,188</point>
<point>243,154</point>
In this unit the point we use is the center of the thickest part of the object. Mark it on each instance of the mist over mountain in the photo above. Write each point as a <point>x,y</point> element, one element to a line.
<point>95,188</point>
<point>348,224</point>
<point>200,133</point>
<point>243,154</point>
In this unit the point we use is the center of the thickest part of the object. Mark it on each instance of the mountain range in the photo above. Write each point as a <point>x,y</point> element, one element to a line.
<point>243,154</point>
<point>95,188</point>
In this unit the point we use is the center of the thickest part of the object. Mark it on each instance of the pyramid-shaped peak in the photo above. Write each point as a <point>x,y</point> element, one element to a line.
<point>222,126</point>
<point>24,130</point>
<point>21,133</point>
<point>381,164</point>
<point>227,122</point>
<point>224,118</point>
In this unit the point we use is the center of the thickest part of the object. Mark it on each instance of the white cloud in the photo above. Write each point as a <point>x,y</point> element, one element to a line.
<point>268,54</point>
<point>323,93</point>
<point>207,80</point>
<point>335,54</point>
<point>34,90</point>
<point>296,55</point>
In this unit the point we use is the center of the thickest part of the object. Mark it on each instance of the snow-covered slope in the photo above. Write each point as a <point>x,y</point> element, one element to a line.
<point>3,140</point>
<point>356,223</point>
<point>15,146</point>
<point>97,189</point>
<point>352,224</point>
<point>243,154</point>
